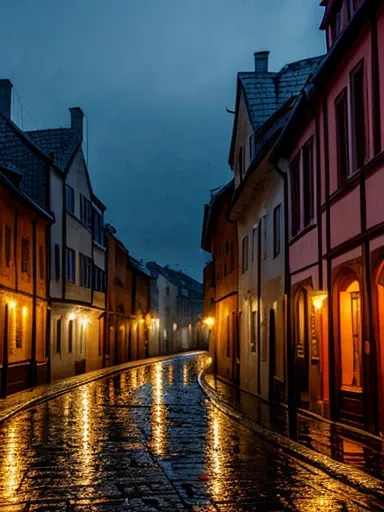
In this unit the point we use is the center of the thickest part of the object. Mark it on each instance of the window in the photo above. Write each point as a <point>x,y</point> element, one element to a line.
<point>308,182</point>
<point>57,262</point>
<point>241,162</point>
<point>167,291</point>
<point>358,116</point>
<point>7,243</point>
<point>98,229</point>
<point>251,148</point>
<point>99,284</point>
<point>342,137</point>
<point>232,256</point>
<point>71,268</point>
<point>228,338</point>
<point>253,328</point>
<point>336,26</point>
<point>85,211</point>
<point>41,262</point>
<point>19,329</point>
<point>265,236</point>
<point>295,195</point>
<point>58,335</point>
<point>25,255</point>
<point>277,231</point>
<point>82,338</point>
<point>245,254</point>
<point>70,199</point>
<point>70,336</point>
<point>254,238</point>
<point>263,334</point>
<point>85,271</point>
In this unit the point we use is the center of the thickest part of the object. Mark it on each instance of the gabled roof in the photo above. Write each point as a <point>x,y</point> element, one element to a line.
<point>265,92</point>
<point>139,267</point>
<point>10,179</point>
<point>178,278</point>
<point>63,142</point>
<point>211,212</point>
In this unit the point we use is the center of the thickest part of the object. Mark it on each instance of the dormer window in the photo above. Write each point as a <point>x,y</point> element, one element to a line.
<point>336,26</point>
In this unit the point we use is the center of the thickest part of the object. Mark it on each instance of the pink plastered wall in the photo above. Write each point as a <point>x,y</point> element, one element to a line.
<point>374,186</point>
<point>304,251</point>
<point>380,37</point>
<point>345,218</point>
<point>312,272</point>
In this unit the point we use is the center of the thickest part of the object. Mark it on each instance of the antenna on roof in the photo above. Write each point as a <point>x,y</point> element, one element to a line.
<point>229,111</point>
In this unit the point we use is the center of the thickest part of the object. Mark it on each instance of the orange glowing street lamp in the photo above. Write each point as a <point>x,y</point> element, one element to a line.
<point>209,321</point>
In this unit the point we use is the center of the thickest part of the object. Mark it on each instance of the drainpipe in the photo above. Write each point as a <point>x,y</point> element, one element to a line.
<point>291,367</point>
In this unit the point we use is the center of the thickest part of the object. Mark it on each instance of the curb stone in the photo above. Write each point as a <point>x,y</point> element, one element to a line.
<point>348,475</point>
<point>58,388</point>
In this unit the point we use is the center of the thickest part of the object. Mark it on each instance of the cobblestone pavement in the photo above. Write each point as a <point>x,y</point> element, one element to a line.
<point>147,440</point>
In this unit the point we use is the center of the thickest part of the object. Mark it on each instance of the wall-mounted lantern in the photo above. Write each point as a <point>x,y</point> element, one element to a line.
<point>318,298</point>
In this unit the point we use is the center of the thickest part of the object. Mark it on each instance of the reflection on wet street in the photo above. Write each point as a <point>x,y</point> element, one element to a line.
<point>148,440</point>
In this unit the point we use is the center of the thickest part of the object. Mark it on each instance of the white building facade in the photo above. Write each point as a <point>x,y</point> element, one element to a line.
<point>78,265</point>
<point>264,101</point>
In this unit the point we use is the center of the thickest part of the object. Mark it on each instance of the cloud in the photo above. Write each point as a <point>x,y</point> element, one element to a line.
<point>154,79</point>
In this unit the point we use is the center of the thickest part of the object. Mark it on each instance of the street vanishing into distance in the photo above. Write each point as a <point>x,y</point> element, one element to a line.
<point>149,440</point>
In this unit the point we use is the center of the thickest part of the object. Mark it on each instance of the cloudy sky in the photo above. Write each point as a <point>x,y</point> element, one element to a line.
<point>153,77</point>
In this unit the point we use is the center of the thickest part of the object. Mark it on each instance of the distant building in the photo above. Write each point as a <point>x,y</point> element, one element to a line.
<point>219,238</point>
<point>179,299</point>
<point>24,228</point>
<point>141,278</point>
<point>119,313</point>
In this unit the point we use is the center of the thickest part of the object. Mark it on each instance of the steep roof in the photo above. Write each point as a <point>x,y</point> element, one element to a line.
<point>178,278</point>
<point>211,212</point>
<point>137,265</point>
<point>63,142</point>
<point>10,179</point>
<point>266,92</point>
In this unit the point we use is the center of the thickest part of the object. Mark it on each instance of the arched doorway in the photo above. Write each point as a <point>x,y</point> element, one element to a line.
<point>302,347</point>
<point>349,353</point>
<point>379,282</point>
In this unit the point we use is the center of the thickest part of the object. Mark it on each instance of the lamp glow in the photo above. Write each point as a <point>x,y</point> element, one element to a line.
<point>11,304</point>
<point>209,321</point>
<point>72,316</point>
<point>318,298</point>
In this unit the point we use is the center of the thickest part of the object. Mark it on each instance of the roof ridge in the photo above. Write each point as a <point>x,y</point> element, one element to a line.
<point>51,130</point>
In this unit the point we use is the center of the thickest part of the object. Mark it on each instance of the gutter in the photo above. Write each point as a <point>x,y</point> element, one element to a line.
<point>291,367</point>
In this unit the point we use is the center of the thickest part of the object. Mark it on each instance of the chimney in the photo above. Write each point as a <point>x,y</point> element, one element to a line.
<point>77,121</point>
<point>5,97</point>
<point>261,62</point>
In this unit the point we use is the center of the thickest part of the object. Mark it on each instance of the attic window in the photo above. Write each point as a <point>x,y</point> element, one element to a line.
<point>336,26</point>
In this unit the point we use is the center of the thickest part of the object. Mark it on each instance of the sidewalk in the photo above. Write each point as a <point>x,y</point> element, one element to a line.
<point>24,399</point>
<point>327,441</point>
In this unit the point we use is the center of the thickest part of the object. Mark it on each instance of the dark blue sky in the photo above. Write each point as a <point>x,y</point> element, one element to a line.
<point>153,78</point>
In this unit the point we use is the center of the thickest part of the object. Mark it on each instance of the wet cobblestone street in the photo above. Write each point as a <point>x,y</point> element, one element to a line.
<point>148,440</point>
